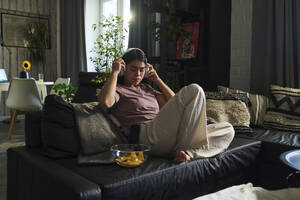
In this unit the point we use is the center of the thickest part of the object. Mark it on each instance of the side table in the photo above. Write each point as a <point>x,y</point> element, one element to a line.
<point>292,159</point>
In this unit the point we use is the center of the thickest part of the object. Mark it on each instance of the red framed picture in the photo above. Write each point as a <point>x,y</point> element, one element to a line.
<point>187,43</point>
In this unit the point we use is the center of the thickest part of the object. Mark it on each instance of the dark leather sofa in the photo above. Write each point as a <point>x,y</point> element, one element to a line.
<point>46,167</point>
<point>34,176</point>
<point>36,173</point>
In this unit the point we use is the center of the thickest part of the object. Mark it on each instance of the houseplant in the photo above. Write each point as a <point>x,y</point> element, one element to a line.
<point>108,45</point>
<point>66,91</point>
<point>173,24</point>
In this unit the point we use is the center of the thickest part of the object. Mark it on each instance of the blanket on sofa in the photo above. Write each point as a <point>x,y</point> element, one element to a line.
<point>97,133</point>
<point>248,192</point>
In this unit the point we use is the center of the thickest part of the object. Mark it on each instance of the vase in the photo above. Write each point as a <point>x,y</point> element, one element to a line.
<point>24,74</point>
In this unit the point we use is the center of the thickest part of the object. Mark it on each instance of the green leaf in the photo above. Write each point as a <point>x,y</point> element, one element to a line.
<point>108,44</point>
<point>66,91</point>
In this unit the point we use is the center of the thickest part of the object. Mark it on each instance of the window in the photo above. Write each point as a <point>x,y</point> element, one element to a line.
<point>95,9</point>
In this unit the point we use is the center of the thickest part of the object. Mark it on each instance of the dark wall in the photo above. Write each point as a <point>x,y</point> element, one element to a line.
<point>219,42</point>
<point>212,65</point>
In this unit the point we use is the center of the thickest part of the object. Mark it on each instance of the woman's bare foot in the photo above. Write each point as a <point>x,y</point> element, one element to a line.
<point>181,156</point>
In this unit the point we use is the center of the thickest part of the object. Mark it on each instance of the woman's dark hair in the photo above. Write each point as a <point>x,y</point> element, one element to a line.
<point>130,55</point>
<point>133,54</point>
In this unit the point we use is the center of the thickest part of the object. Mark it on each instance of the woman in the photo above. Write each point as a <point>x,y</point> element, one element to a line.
<point>172,125</point>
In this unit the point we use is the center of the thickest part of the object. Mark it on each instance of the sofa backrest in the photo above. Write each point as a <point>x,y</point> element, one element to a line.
<point>33,138</point>
<point>53,130</point>
<point>86,91</point>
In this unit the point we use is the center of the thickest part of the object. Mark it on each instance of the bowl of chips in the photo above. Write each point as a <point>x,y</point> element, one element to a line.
<point>130,155</point>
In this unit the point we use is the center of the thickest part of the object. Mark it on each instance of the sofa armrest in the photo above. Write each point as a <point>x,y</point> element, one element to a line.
<point>271,171</point>
<point>32,176</point>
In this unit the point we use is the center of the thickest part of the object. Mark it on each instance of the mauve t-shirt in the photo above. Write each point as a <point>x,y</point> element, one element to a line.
<point>134,105</point>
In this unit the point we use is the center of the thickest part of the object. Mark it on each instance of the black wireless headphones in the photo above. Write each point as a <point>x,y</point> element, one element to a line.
<point>133,54</point>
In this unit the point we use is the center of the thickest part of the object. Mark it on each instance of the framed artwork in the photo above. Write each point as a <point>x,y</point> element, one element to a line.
<point>187,42</point>
<point>25,31</point>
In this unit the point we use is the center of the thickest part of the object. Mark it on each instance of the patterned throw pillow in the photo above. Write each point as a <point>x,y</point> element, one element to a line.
<point>97,131</point>
<point>258,107</point>
<point>226,107</point>
<point>228,96</point>
<point>284,110</point>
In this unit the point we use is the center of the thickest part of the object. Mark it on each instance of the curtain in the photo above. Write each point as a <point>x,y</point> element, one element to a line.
<point>73,54</point>
<point>138,28</point>
<point>275,44</point>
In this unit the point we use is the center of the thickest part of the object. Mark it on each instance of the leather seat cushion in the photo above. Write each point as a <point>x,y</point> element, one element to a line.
<point>274,136</point>
<point>142,182</point>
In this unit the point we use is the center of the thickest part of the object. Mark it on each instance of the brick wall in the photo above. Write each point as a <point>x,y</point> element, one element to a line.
<point>241,33</point>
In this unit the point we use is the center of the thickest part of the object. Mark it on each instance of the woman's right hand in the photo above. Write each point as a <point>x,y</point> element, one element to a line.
<point>107,94</point>
<point>117,65</point>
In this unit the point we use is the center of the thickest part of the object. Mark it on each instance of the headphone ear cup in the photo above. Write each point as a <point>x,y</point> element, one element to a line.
<point>121,72</point>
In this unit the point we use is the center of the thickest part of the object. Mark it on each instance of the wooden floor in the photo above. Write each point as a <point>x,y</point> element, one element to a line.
<point>17,140</point>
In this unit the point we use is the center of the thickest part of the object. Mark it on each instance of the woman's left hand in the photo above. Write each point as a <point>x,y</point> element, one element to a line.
<point>151,74</point>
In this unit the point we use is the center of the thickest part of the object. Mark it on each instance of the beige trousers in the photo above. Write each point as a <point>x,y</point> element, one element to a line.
<point>181,125</point>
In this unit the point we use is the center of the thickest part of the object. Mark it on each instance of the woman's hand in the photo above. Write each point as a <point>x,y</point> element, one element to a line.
<point>107,94</point>
<point>117,65</point>
<point>151,74</point>
<point>166,94</point>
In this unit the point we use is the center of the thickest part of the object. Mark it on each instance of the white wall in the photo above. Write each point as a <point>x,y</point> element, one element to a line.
<point>92,17</point>
<point>241,36</point>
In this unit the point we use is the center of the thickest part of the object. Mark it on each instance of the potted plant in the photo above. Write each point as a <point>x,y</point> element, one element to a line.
<point>26,66</point>
<point>66,91</point>
<point>108,45</point>
<point>173,27</point>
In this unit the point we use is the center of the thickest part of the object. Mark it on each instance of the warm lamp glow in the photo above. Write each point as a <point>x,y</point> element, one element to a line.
<point>130,17</point>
